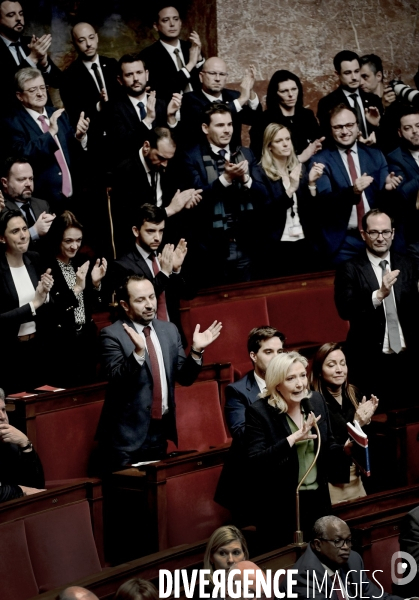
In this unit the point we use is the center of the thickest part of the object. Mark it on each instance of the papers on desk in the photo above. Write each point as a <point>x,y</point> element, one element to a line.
<point>146,462</point>
<point>360,452</point>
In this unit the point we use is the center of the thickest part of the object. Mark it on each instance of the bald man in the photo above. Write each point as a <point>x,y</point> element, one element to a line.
<point>76,593</point>
<point>244,105</point>
<point>250,582</point>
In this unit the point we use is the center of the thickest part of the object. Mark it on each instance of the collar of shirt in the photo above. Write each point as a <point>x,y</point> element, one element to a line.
<point>144,253</point>
<point>375,260</point>
<point>139,327</point>
<point>354,149</point>
<point>415,154</point>
<point>213,98</point>
<point>143,162</point>
<point>34,114</point>
<point>347,94</point>
<point>8,42</point>
<point>136,99</point>
<point>171,49</point>
<point>216,150</point>
<point>89,63</point>
<point>261,382</point>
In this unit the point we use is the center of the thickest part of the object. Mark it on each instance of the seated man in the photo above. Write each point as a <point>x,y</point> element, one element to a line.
<point>225,222</point>
<point>75,592</point>
<point>21,472</point>
<point>330,569</point>
<point>17,184</point>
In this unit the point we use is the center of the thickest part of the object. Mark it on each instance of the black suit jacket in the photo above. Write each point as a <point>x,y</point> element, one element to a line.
<point>38,206</point>
<point>354,284</point>
<point>402,163</point>
<point>18,468</point>
<point>338,97</point>
<point>239,396</point>
<point>195,104</point>
<point>164,77</point>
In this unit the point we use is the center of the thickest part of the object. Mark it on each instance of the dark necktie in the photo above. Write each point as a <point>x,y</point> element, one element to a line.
<point>360,210</point>
<point>153,177</point>
<point>62,163</point>
<point>221,157</point>
<point>143,112</point>
<point>391,317</point>
<point>29,218</point>
<point>161,300</point>
<point>179,61</point>
<point>98,76</point>
<point>359,115</point>
<point>17,46</point>
<point>156,407</point>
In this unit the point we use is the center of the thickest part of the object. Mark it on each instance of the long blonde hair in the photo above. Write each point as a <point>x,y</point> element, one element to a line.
<point>221,537</point>
<point>268,162</point>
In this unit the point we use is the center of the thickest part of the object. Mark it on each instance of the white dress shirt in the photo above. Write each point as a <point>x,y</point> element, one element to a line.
<point>375,263</point>
<point>88,64</point>
<point>26,294</point>
<point>13,50</point>
<point>293,230</point>
<point>353,219</point>
<point>223,180</point>
<point>171,50</point>
<point>159,193</point>
<point>361,106</point>
<point>261,382</point>
<point>415,154</point>
<point>253,103</point>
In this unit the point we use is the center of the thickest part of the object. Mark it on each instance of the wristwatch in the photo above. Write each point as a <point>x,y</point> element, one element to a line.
<point>28,446</point>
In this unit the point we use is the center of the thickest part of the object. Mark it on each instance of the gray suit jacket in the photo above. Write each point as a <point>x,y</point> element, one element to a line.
<point>38,206</point>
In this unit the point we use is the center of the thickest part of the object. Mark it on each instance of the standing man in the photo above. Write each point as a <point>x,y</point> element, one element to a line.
<point>172,63</point>
<point>18,51</point>
<point>17,184</point>
<point>368,107</point>
<point>143,357</point>
<point>377,292</point>
<point>244,105</point>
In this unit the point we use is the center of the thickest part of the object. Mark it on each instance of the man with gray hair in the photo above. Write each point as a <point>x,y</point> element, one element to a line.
<point>75,592</point>
<point>44,135</point>
<point>330,569</point>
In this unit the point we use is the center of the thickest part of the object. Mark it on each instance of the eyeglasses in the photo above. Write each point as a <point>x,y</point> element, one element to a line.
<point>33,90</point>
<point>373,235</point>
<point>339,543</point>
<point>214,73</point>
<point>349,126</point>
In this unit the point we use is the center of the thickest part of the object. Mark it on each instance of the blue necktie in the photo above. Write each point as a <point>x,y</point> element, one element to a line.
<point>143,112</point>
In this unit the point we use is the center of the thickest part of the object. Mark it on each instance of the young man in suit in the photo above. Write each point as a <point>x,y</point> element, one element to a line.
<point>44,135</point>
<point>143,357</point>
<point>355,178</point>
<point>17,184</point>
<point>368,107</point>
<point>172,63</point>
<point>244,105</point>
<point>377,292</point>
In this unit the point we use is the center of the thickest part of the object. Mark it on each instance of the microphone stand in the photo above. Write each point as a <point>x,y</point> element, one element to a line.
<point>298,534</point>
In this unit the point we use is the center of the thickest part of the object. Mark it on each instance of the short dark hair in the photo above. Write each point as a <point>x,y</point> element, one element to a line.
<point>161,5</point>
<point>406,111</point>
<point>342,56</point>
<point>373,61</point>
<point>215,109</point>
<point>12,160</point>
<point>339,108</point>
<point>260,334</point>
<point>137,589</point>
<point>122,292</point>
<point>150,213</point>
<point>157,134</point>
<point>59,225</point>
<point>129,58</point>
<point>374,212</point>
<point>272,92</point>
<point>7,215</point>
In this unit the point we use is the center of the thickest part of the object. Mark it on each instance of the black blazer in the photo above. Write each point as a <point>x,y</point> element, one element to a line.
<point>338,97</point>
<point>196,103</point>
<point>239,396</point>
<point>402,163</point>
<point>164,77</point>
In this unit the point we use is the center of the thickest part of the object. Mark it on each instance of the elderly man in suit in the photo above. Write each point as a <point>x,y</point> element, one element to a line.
<point>244,105</point>
<point>355,178</point>
<point>143,357</point>
<point>17,184</point>
<point>45,136</point>
<point>173,64</point>
<point>377,292</point>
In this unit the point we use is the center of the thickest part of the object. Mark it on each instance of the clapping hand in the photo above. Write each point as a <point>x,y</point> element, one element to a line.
<point>393,181</point>
<point>99,271</point>
<point>203,339</point>
<point>294,179</point>
<point>2,202</point>
<point>316,172</point>
<point>82,126</point>
<point>81,278</point>
<point>373,116</point>
<point>179,255</point>
<point>366,409</point>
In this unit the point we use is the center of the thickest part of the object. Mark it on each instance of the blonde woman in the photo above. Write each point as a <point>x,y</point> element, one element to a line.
<point>281,445</point>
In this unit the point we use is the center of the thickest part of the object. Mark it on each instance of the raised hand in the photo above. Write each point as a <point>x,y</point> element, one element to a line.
<point>236,171</point>
<point>389,279</point>
<point>369,141</point>
<point>2,202</point>
<point>311,149</point>
<point>151,108</point>
<point>81,278</point>
<point>43,224</point>
<point>11,435</point>
<point>393,181</point>
<point>82,126</point>
<point>294,179</point>
<point>166,259</point>
<point>53,121</point>
<point>316,172</point>
<point>195,199</point>
<point>174,105</point>
<point>179,201</point>
<point>304,433</point>
<point>388,96</point>
<point>196,41</point>
<point>103,95</point>
<point>47,281</point>
<point>44,286</point>
<point>39,48</point>
<point>201,340</point>
<point>136,339</point>
<point>361,183</point>
<point>99,271</point>
<point>372,114</point>
<point>179,255</point>
<point>366,409</point>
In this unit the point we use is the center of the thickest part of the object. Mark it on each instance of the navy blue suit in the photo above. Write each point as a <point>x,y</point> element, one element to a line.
<point>239,396</point>
<point>27,139</point>
<point>335,196</point>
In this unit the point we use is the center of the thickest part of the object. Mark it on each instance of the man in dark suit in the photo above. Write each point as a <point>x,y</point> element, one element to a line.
<point>143,357</point>
<point>377,292</point>
<point>224,223</point>
<point>404,161</point>
<point>17,52</point>
<point>355,178</point>
<point>172,63</point>
<point>368,107</point>
<point>329,564</point>
<point>17,184</point>
<point>44,135</point>
<point>244,105</point>
<point>135,112</point>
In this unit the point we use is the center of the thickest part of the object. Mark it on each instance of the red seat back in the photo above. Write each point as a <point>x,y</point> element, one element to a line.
<point>61,545</point>
<point>377,557</point>
<point>412,453</point>
<point>17,580</point>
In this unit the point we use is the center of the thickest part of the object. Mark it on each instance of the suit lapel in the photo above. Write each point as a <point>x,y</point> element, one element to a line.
<point>368,272</point>
<point>252,387</point>
<point>7,275</point>
<point>410,161</point>
<point>165,348</point>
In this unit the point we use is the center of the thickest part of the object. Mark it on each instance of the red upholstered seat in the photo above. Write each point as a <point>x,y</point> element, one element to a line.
<point>61,545</point>
<point>192,514</point>
<point>377,557</point>
<point>198,415</point>
<point>17,581</point>
<point>412,453</point>
<point>65,440</point>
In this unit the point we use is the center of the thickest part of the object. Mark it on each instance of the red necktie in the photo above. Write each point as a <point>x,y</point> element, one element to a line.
<point>161,300</point>
<point>60,158</point>
<point>156,407</point>
<point>360,211</point>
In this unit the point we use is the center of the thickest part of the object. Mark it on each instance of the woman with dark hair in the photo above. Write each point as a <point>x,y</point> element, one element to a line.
<point>284,105</point>
<point>23,307</point>
<point>329,376</point>
<point>76,295</point>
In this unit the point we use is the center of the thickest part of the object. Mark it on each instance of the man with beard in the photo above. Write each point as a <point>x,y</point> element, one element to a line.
<point>17,184</point>
<point>404,161</point>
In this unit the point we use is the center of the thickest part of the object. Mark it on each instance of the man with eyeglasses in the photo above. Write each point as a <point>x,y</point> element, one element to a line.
<point>377,292</point>
<point>355,178</point>
<point>244,105</point>
<point>330,569</point>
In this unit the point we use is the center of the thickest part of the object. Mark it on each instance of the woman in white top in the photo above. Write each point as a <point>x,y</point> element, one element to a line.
<point>23,297</point>
<point>290,212</point>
